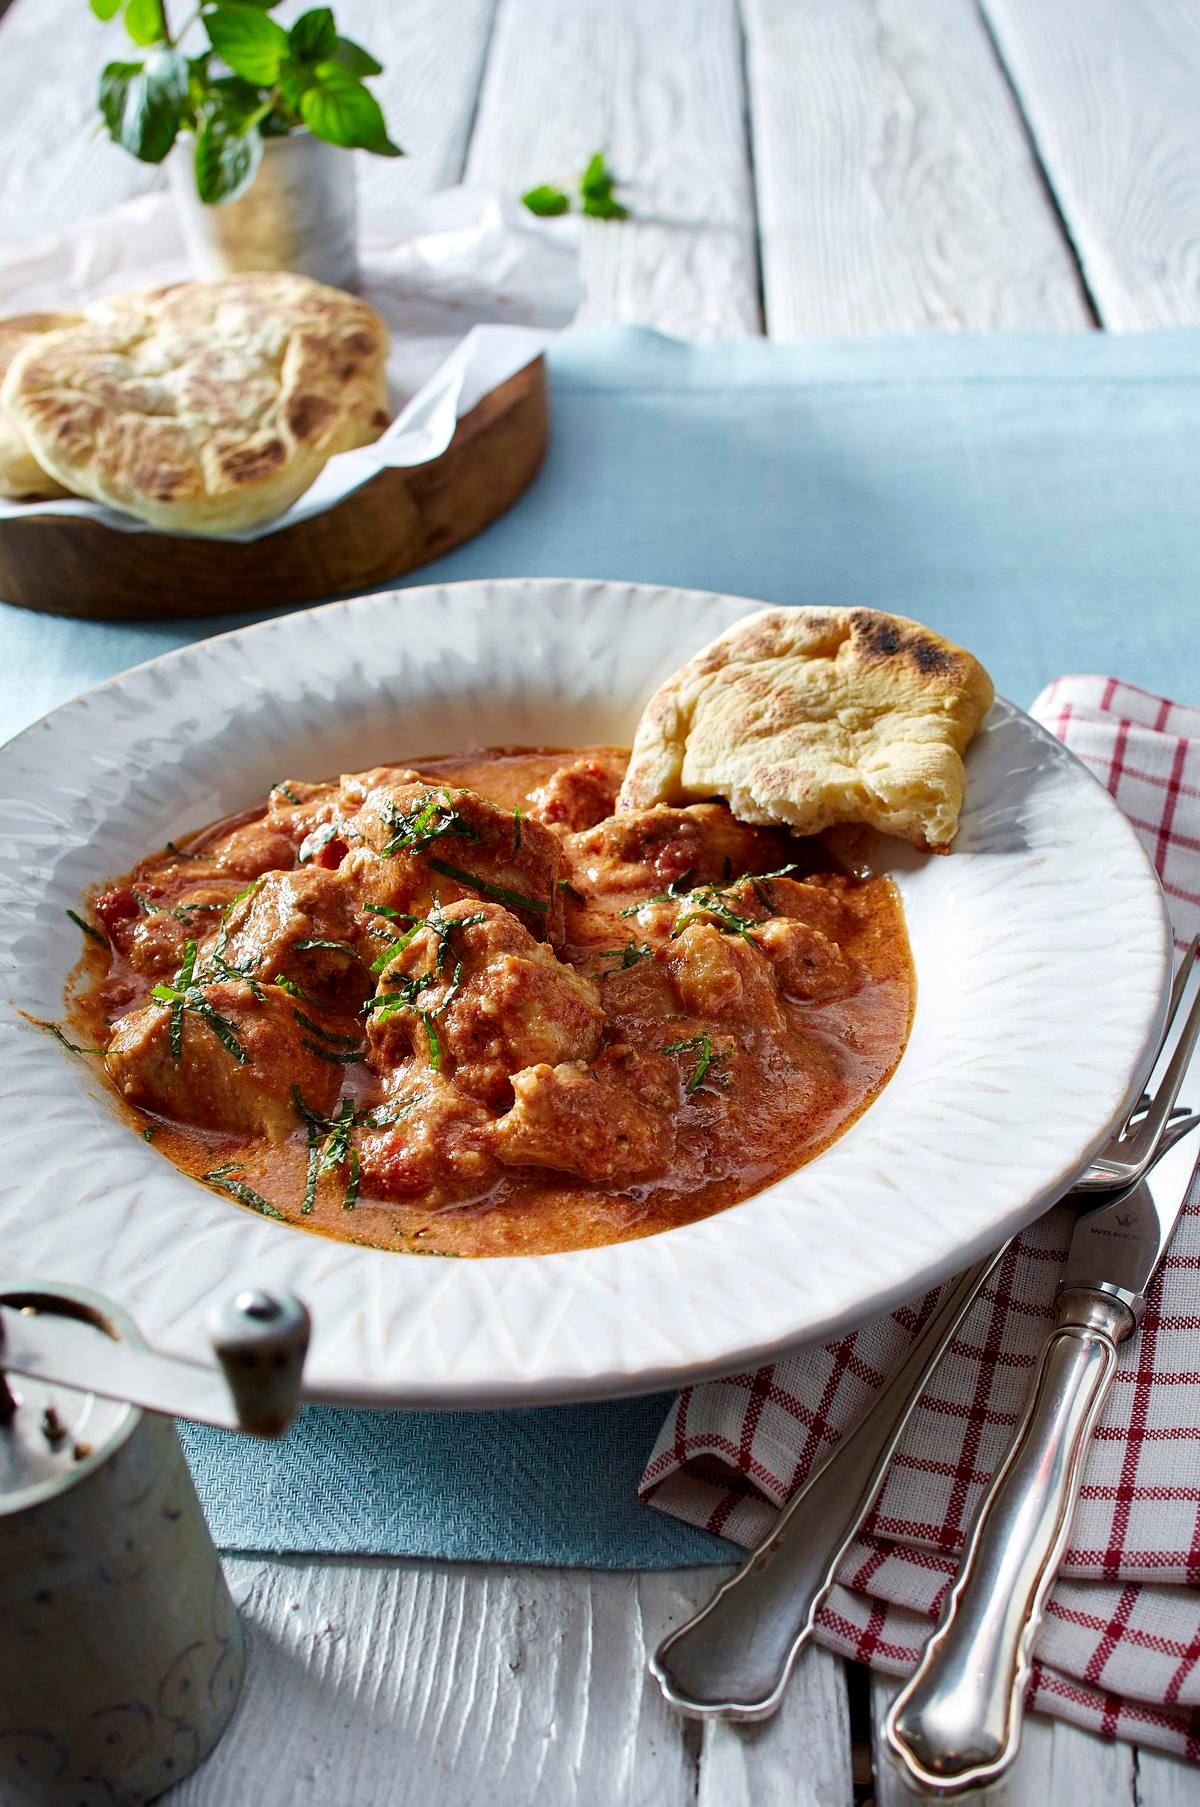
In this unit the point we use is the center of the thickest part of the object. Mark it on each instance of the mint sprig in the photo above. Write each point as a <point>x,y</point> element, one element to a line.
<point>597,194</point>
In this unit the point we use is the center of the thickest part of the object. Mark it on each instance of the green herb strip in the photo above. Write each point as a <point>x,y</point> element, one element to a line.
<point>677,888</point>
<point>517,829</point>
<point>184,994</point>
<point>517,898</point>
<point>245,1195</point>
<point>432,815</point>
<point>431,1036</point>
<point>337,947</point>
<point>284,791</point>
<point>313,843</point>
<point>183,912</point>
<point>88,929</point>
<point>330,1145</point>
<point>149,1133</point>
<point>630,954</point>
<point>72,1047</point>
<point>704,1044</point>
<point>349,1058</point>
<point>298,992</point>
<point>329,1035</point>
<point>181,854</point>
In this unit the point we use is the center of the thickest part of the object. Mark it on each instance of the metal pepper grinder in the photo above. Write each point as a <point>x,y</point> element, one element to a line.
<point>121,1653</point>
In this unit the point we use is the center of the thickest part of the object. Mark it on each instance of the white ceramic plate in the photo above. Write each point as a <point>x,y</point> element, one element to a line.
<point>1041,950</point>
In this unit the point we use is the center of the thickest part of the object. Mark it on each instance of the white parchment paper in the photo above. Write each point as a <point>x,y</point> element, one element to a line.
<point>471,285</point>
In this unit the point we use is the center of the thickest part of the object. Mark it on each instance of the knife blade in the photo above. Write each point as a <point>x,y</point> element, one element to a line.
<point>956,1724</point>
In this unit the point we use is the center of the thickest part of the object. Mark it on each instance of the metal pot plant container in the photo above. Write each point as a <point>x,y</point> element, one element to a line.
<point>299,213</point>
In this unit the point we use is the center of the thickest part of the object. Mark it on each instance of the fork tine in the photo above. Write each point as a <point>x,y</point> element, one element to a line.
<point>1183,1122</point>
<point>1178,987</point>
<point>1150,1127</point>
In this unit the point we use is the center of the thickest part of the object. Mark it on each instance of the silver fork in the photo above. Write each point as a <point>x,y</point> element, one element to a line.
<point>734,1658</point>
<point>1126,1156</point>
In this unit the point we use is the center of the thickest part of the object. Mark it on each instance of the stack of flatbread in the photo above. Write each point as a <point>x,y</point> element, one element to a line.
<point>204,407</point>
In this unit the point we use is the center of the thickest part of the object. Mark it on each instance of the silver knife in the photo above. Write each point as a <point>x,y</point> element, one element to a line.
<point>956,1724</point>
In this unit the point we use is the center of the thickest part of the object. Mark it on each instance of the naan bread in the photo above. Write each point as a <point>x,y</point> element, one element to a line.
<point>22,478</point>
<point>207,407</point>
<point>815,716</point>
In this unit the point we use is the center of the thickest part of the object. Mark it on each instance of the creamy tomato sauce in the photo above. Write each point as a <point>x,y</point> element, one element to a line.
<point>463,1008</point>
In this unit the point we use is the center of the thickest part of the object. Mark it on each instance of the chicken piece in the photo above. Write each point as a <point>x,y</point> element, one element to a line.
<point>575,797</point>
<point>462,838</point>
<point>643,851</point>
<point>830,905</point>
<point>723,976</point>
<point>475,996</point>
<point>305,926</point>
<point>807,963</point>
<point>249,851</point>
<point>586,1120</point>
<point>356,787</point>
<point>152,934</point>
<point>401,883</point>
<point>429,1139</point>
<point>208,1084</point>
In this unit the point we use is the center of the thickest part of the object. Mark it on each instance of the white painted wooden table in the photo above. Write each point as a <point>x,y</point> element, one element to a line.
<point>795,166</point>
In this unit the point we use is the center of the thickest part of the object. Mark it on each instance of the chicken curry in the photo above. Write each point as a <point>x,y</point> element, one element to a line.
<point>467,1009</point>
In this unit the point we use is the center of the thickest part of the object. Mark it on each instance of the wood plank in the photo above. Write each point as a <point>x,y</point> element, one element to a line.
<point>462,1686</point>
<point>1057,1763</point>
<point>1110,88</point>
<point>52,171</point>
<point>1165,1781</point>
<point>897,188</point>
<point>658,87</point>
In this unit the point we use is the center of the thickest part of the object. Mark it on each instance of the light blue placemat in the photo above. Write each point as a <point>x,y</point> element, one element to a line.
<point>1035,498</point>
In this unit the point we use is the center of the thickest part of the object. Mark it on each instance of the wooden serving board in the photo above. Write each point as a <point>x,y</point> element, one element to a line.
<point>397,521</point>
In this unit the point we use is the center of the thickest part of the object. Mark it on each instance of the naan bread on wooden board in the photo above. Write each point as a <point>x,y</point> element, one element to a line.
<point>22,478</point>
<point>811,717</point>
<point>208,406</point>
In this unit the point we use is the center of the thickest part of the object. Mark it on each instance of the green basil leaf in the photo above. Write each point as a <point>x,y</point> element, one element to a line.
<point>353,57</point>
<point>167,73</point>
<point>598,181</point>
<point>227,160</point>
<point>313,38</point>
<point>144,22</point>
<point>294,82</point>
<point>603,207</point>
<point>251,44</point>
<point>141,106</point>
<point>234,101</point>
<point>112,92</point>
<point>106,9</point>
<point>339,109</point>
<point>546,201</point>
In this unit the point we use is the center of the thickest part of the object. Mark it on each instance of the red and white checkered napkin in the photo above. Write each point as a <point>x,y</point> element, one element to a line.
<point>1119,1651</point>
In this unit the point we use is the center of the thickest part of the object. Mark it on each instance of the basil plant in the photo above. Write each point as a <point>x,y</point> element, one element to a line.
<point>252,80</point>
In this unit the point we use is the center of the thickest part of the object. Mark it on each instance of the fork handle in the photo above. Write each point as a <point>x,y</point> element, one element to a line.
<point>956,1724</point>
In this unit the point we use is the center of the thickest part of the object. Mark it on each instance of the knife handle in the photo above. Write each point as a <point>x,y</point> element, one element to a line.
<point>956,1724</point>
